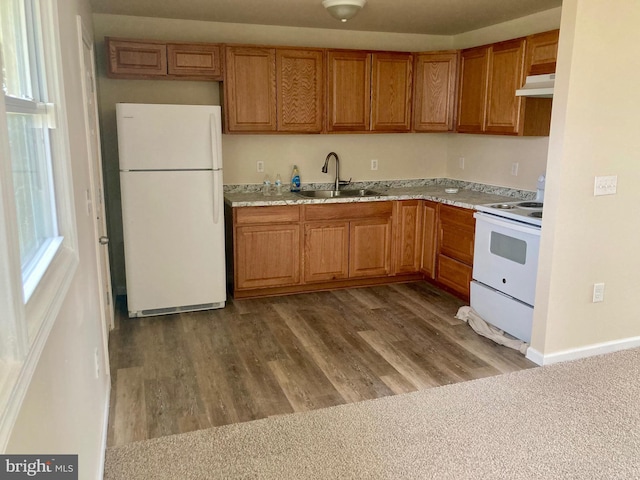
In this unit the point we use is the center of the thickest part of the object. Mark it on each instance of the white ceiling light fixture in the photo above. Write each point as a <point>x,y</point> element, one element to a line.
<point>343,10</point>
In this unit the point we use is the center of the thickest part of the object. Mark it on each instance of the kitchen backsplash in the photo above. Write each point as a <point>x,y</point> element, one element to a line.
<point>447,182</point>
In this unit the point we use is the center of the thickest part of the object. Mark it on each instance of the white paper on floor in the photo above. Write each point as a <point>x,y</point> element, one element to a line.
<point>481,327</point>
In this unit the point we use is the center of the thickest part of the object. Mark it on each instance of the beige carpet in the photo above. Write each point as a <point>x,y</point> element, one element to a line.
<point>573,420</point>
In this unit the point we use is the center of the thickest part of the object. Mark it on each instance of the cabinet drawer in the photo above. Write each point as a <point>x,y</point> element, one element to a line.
<point>346,211</point>
<point>454,274</point>
<point>258,215</point>
<point>457,242</point>
<point>461,216</point>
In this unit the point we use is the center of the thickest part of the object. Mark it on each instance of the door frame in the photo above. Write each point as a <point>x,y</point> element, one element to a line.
<point>95,194</point>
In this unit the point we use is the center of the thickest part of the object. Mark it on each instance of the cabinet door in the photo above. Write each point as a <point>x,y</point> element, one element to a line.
<point>370,247</point>
<point>408,236</point>
<point>326,251</point>
<point>435,77</point>
<point>455,275</point>
<point>250,89</point>
<point>472,92</point>
<point>300,82</point>
<point>456,233</point>
<point>136,59</point>
<point>542,51</point>
<point>429,230</point>
<point>349,85</point>
<point>506,63</point>
<point>194,60</point>
<point>267,256</point>
<point>391,92</point>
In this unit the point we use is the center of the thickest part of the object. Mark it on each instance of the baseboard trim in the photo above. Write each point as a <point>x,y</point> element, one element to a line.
<point>582,352</point>
<point>105,432</point>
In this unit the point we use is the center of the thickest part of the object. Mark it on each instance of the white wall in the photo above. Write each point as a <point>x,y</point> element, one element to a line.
<point>520,27</point>
<point>489,159</point>
<point>65,405</point>
<point>594,131</point>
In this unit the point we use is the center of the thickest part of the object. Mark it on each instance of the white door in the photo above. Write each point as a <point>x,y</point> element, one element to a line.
<point>95,200</point>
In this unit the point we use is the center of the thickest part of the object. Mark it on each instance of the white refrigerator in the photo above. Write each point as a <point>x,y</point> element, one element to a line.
<point>172,207</point>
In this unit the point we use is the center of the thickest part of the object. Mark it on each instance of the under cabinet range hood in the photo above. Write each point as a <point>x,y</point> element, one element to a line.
<point>538,86</point>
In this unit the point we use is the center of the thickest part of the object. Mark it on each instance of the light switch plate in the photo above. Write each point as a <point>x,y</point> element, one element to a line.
<point>607,185</point>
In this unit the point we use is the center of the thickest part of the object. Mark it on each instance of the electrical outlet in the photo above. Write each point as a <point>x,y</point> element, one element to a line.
<point>461,163</point>
<point>598,292</point>
<point>374,164</point>
<point>606,185</point>
<point>260,166</point>
<point>514,169</point>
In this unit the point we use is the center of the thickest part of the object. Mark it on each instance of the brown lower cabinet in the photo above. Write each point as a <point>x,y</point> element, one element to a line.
<point>287,249</point>
<point>456,233</point>
<point>326,251</point>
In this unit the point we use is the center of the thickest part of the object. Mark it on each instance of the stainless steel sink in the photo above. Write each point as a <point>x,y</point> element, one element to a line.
<point>338,193</point>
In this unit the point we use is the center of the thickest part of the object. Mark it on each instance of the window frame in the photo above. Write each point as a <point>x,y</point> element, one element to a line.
<point>26,330</point>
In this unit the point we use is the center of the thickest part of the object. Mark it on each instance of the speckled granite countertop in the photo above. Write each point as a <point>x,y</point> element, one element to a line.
<point>468,196</point>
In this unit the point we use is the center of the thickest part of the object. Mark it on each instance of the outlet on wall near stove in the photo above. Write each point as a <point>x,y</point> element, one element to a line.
<point>598,292</point>
<point>461,163</point>
<point>514,169</point>
<point>374,164</point>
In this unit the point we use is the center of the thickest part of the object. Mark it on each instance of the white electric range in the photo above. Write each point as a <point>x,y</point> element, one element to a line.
<point>505,264</point>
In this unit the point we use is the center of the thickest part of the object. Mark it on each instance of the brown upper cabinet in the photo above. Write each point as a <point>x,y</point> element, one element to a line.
<point>194,60</point>
<point>472,90</point>
<point>250,89</point>
<point>542,52</point>
<point>489,77</point>
<point>391,91</point>
<point>273,90</point>
<point>136,59</point>
<point>434,97</point>
<point>300,90</point>
<point>349,86</point>
<point>369,91</point>
<point>506,60</point>
<point>151,59</point>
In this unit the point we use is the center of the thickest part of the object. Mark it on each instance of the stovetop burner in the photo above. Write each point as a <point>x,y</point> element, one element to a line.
<point>527,212</point>
<point>529,204</point>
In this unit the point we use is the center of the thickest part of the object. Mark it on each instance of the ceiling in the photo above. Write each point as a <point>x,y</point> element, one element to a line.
<point>436,17</point>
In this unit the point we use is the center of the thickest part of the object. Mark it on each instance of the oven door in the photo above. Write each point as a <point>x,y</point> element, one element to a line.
<point>506,256</point>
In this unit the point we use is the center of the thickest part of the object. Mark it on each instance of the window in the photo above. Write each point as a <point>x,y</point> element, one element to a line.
<point>38,254</point>
<point>24,84</point>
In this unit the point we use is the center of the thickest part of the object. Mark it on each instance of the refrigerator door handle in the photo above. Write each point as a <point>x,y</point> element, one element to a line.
<point>216,201</point>
<point>216,147</point>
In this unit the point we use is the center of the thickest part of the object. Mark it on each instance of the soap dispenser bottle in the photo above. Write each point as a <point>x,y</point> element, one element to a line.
<point>295,179</point>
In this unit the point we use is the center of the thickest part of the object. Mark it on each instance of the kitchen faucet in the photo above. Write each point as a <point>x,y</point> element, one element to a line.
<point>325,169</point>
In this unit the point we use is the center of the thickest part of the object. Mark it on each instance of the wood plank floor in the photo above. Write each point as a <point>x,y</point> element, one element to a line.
<point>274,356</point>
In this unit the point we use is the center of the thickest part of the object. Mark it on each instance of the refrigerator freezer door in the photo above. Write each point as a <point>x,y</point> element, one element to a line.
<point>174,251</point>
<point>167,137</point>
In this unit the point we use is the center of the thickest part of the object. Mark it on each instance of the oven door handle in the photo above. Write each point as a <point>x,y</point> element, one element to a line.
<point>510,224</point>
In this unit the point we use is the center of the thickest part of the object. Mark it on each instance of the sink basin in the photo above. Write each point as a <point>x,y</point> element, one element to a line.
<point>338,193</point>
